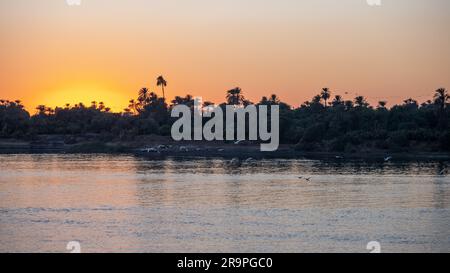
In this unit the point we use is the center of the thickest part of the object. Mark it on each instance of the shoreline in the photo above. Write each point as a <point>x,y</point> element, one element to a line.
<point>161,149</point>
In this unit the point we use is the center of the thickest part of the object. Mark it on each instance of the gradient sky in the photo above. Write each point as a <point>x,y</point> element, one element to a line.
<point>105,50</point>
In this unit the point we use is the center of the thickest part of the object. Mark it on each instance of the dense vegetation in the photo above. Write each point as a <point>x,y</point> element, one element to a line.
<point>325,123</point>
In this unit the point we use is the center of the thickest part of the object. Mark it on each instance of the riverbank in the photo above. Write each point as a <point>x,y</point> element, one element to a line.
<point>160,147</point>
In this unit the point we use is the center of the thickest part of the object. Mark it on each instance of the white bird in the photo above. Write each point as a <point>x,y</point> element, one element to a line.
<point>386,159</point>
<point>249,160</point>
<point>235,162</point>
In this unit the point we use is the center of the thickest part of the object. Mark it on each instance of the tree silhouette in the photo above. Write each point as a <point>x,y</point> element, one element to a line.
<point>316,99</point>
<point>274,99</point>
<point>337,101</point>
<point>441,97</point>
<point>325,95</point>
<point>382,105</point>
<point>101,106</point>
<point>143,95</point>
<point>41,109</point>
<point>361,102</point>
<point>347,126</point>
<point>235,97</point>
<point>160,81</point>
<point>188,100</point>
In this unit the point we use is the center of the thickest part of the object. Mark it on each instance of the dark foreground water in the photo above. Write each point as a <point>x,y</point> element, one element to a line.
<point>129,204</point>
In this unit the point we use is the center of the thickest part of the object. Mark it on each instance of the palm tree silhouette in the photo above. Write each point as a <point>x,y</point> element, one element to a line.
<point>160,81</point>
<point>208,103</point>
<point>274,99</point>
<point>325,95</point>
<point>41,109</point>
<point>361,102</point>
<point>337,100</point>
<point>382,104</point>
<point>101,106</point>
<point>188,100</point>
<point>235,97</point>
<point>133,106</point>
<point>441,97</point>
<point>316,99</point>
<point>143,96</point>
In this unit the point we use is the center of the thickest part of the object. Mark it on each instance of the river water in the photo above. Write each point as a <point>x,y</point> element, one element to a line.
<point>123,203</point>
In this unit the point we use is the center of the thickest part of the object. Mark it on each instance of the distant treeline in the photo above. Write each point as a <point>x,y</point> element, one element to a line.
<point>326,123</point>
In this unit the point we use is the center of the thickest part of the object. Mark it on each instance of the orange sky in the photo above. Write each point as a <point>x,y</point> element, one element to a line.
<point>105,50</point>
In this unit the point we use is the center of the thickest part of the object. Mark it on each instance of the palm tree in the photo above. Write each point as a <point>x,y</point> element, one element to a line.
<point>235,97</point>
<point>348,104</point>
<point>101,106</point>
<point>143,93</point>
<point>316,99</point>
<point>41,109</point>
<point>441,97</point>
<point>274,99</point>
<point>127,112</point>
<point>411,103</point>
<point>382,104</point>
<point>160,81</point>
<point>440,100</point>
<point>325,95</point>
<point>208,103</point>
<point>49,111</point>
<point>361,102</point>
<point>188,100</point>
<point>133,106</point>
<point>264,101</point>
<point>337,101</point>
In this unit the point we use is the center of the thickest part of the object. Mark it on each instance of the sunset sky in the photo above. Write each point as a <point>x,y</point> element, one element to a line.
<point>106,50</point>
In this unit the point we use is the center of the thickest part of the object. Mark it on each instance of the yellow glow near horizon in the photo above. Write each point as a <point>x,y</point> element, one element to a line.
<point>52,53</point>
<point>84,94</point>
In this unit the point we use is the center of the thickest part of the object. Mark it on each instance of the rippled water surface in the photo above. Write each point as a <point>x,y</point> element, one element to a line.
<point>129,204</point>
